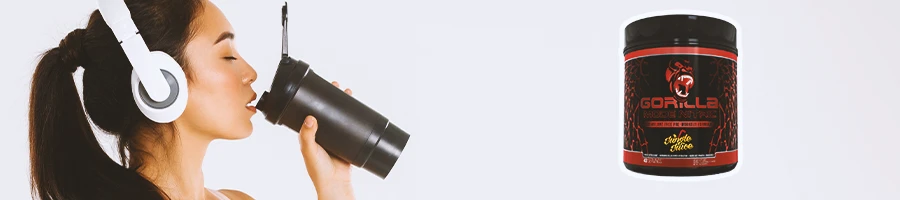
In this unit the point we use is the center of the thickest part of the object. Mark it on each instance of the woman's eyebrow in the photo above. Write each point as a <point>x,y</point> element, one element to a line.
<point>223,36</point>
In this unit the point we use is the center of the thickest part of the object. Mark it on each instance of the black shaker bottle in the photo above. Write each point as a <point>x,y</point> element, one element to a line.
<point>347,129</point>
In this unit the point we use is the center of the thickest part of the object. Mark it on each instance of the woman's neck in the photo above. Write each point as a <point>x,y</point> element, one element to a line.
<point>176,166</point>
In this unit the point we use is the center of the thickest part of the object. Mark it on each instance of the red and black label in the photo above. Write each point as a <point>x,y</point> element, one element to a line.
<point>680,107</point>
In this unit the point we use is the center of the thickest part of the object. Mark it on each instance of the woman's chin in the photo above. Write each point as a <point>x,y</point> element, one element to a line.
<point>240,133</point>
<point>236,137</point>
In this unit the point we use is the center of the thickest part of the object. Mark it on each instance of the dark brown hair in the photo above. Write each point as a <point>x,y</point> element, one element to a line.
<point>67,161</point>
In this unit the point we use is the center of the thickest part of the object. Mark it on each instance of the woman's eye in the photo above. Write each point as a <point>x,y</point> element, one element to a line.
<point>230,58</point>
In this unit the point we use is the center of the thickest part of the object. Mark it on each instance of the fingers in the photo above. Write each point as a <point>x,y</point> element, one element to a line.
<point>308,135</point>
<point>338,85</point>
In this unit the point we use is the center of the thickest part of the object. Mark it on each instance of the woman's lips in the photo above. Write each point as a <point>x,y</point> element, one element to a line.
<point>249,106</point>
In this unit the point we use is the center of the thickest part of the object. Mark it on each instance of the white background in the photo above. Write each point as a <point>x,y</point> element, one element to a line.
<point>519,99</point>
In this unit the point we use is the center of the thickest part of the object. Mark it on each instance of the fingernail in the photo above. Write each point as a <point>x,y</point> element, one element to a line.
<point>308,122</point>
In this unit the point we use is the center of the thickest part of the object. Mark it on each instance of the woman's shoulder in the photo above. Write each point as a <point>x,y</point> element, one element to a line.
<point>235,194</point>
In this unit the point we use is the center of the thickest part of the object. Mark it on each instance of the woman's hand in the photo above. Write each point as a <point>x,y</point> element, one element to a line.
<point>330,175</point>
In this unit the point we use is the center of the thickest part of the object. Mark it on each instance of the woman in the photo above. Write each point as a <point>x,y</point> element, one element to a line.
<point>159,161</point>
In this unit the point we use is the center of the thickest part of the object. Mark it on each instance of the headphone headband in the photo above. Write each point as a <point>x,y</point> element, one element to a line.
<point>118,18</point>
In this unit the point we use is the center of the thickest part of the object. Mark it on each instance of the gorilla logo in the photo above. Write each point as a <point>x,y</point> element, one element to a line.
<point>681,78</point>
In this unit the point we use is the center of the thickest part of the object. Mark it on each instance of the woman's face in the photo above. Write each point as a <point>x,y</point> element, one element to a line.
<point>219,87</point>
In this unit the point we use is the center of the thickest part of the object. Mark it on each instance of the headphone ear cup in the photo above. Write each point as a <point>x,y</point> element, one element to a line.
<point>173,106</point>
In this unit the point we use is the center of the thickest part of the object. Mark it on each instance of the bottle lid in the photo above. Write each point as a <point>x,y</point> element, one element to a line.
<point>680,30</point>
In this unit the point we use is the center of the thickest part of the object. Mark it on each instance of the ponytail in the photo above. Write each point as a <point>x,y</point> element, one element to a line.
<point>67,161</point>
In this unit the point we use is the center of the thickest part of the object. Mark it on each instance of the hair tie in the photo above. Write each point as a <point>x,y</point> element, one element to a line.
<point>71,52</point>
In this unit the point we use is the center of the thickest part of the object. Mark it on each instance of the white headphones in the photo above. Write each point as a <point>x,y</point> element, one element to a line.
<point>158,83</point>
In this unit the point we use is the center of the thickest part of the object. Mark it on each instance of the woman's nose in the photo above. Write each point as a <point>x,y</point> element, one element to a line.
<point>250,73</point>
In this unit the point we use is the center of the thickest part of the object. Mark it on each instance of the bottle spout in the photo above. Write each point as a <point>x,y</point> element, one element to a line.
<point>261,104</point>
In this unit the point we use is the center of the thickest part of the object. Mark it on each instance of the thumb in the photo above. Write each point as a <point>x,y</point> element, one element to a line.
<point>308,134</point>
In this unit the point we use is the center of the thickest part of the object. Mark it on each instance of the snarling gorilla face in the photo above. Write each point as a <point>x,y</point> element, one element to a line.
<point>681,78</point>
